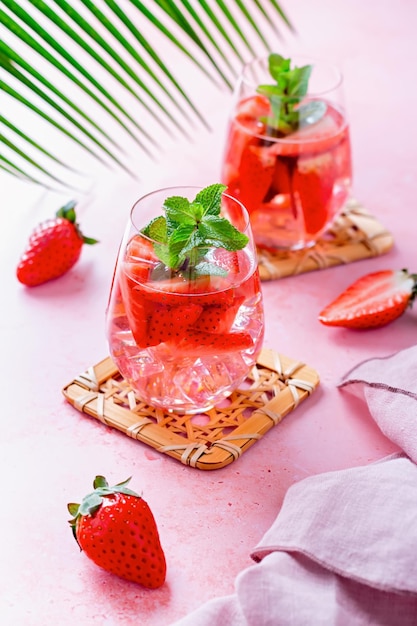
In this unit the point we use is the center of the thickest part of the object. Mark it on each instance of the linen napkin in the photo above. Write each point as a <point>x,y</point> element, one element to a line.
<point>343,548</point>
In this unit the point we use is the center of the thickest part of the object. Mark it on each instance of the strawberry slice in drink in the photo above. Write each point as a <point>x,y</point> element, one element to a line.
<point>140,258</point>
<point>256,172</point>
<point>206,290</point>
<point>199,343</point>
<point>254,108</point>
<point>138,310</point>
<point>140,249</point>
<point>170,323</point>
<point>218,318</point>
<point>313,181</point>
<point>245,129</point>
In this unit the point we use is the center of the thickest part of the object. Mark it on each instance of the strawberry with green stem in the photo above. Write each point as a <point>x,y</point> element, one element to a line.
<point>53,248</point>
<point>372,301</point>
<point>116,529</point>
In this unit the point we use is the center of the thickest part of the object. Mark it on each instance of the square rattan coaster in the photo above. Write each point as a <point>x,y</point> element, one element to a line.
<point>355,235</point>
<point>274,388</point>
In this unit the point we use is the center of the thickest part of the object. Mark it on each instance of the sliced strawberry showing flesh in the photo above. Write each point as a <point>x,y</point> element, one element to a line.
<point>170,323</point>
<point>373,300</point>
<point>198,343</point>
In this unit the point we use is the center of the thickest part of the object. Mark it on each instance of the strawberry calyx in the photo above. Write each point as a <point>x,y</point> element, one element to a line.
<point>92,502</point>
<point>67,212</point>
<point>413,293</point>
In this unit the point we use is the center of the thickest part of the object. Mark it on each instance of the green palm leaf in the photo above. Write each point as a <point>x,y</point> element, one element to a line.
<point>35,46</point>
<point>68,59</point>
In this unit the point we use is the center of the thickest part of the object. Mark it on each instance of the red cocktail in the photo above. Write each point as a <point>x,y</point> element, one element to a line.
<point>185,337</point>
<point>287,157</point>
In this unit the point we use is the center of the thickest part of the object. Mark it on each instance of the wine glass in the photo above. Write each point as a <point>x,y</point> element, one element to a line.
<point>184,339</point>
<point>287,155</point>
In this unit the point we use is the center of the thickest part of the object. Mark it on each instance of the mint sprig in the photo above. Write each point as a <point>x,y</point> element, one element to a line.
<point>286,95</point>
<point>188,230</point>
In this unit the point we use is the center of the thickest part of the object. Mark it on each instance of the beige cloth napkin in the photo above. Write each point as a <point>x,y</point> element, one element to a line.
<point>343,548</point>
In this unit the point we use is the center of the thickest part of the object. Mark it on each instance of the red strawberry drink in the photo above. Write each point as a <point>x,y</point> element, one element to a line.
<point>287,156</point>
<point>185,325</point>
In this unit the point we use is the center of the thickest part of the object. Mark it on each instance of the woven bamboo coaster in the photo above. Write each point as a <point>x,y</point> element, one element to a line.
<point>275,386</point>
<point>355,235</point>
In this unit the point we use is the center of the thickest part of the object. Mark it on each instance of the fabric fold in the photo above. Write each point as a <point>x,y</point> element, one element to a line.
<point>342,550</point>
<point>357,523</point>
<point>389,387</point>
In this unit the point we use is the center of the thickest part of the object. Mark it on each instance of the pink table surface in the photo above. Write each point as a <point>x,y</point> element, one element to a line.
<point>208,521</point>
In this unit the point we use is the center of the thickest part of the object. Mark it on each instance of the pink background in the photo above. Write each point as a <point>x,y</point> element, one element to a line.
<point>208,521</point>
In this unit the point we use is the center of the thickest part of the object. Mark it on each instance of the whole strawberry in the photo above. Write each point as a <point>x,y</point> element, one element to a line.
<point>115,528</point>
<point>53,248</point>
<point>373,300</point>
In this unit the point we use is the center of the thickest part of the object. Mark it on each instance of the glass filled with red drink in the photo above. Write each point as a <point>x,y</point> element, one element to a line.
<point>287,156</point>
<point>185,319</point>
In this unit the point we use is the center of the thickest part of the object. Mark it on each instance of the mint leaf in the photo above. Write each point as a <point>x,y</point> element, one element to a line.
<point>210,198</point>
<point>188,230</point>
<point>286,95</point>
<point>181,242</point>
<point>220,233</point>
<point>278,65</point>
<point>178,211</point>
<point>164,254</point>
<point>298,80</point>
<point>156,229</point>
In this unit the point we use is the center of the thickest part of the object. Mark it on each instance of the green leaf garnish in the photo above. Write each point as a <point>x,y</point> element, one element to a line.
<point>285,97</point>
<point>182,237</point>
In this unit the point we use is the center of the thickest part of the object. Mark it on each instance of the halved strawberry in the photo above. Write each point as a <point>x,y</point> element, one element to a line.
<point>167,323</point>
<point>374,300</point>
<point>201,343</point>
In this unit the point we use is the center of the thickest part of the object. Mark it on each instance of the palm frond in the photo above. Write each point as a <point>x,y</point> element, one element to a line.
<point>67,60</point>
<point>34,46</point>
